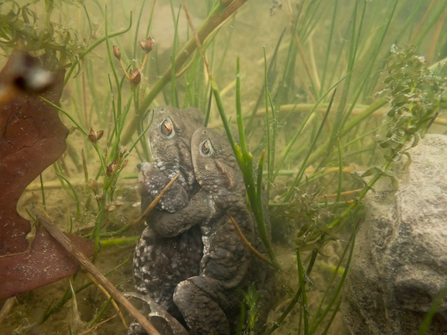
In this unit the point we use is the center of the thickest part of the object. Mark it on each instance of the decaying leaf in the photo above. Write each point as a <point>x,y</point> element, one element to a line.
<point>31,138</point>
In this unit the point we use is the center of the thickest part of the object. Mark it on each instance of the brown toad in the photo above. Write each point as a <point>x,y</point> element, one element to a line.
<point>210,301</point>
<point>161,262</point>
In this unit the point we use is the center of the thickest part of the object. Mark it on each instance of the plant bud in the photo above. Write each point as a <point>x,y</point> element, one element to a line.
<point>117,52</point>
<point>123,151</point>
<point>94,136</point>
<point>135,77</point>
<point>148,45</point>
<point>111,168</point>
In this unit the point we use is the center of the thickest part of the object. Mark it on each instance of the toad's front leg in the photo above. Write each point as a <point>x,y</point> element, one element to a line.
<point>200,209</point>
<point>151,182</point>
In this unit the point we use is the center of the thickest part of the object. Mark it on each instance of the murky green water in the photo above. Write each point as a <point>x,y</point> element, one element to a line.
<point>313,99</point>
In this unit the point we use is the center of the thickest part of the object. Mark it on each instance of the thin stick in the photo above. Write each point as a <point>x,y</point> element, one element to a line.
<point>85,262</point>
<point>98,324</point>
<point>118,311</point>
<point>197,39</point>
<point>421,24</point>
<point>435,38</point>
<point>248,244</point>
<point>219,15</point>
<point>341,194</point>
<point>153,203</point>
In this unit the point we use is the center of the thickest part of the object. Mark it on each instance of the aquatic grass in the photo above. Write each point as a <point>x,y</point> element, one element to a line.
<point>75,194</point>
<point>271,127</point>
<point>297,135</point>
<point>302,280</point>
<point>86,112</point>
<point>433,309</point>
<point>174,99</point>
<point>218,15</point>
<point>245,162</point>
<point>354,40</point>
<point>292,102</point>
<point>112,155</point>
<point>300,173</point>
<point>420,34</point>
<point>319,317</point>
<point>277,323</point>
<point>68,295</point>
<point>371,61</point>
<point>354,124</point>
<point>42,192</point>
<point>402,132</point>
<point>331,319</point>
<point>100,313</point>
<point>271,75</point>
<point>328,49</point>
<point>137,29</point>
<point>242,154</point>
<point>90,49</point>
<point>340,172</point>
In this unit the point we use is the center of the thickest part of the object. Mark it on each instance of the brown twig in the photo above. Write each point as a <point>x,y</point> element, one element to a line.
<point>334,195</point>
<point>85,262</point>
<point>118,310</point>
<point>197,39</point>
<point>187,66</point>
<point>97,325</point>
<point>421,24</point>
<point>436,34</point>
<point>248,244</point>
<point>219,15</point>
<point>153,203</point>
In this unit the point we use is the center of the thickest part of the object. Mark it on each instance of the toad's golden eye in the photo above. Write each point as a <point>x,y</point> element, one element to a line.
<point>167,128</point>
<point>206,148</point>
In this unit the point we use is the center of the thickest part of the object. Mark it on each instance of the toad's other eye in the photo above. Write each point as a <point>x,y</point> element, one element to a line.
<point>206,148</point>
<point>167,128</point>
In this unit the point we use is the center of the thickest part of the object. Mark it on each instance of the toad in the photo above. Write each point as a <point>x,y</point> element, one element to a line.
<point>210,301</point>
<point>161,262</point>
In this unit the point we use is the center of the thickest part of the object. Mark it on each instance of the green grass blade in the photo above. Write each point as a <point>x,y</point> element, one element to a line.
<point>137,30</point>
<point>319,317</point>
<point>91,47</point>
<point>289,146</point>
<point>300,173</point>
<point>302,284</point>
<point>43,192</point>
<point>433,309</point>
<point>329,47</point>
<point>430,24</point>
<point>75,194</point>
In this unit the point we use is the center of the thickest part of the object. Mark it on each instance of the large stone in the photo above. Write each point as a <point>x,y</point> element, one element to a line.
<point>399,265</point>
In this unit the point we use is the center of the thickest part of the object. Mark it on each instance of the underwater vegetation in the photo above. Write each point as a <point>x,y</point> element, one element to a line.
<point>319,94</point>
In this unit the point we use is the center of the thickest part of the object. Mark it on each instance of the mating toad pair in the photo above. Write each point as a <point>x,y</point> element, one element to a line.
<point>190,259</point>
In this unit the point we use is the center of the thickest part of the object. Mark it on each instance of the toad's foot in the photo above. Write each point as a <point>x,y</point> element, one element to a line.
<point>161,320</point>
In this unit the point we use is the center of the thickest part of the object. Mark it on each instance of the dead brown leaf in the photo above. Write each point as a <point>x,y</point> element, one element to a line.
<point>32,137</point>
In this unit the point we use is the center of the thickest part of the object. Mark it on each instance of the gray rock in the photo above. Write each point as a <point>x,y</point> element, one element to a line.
<point>399,265</point>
